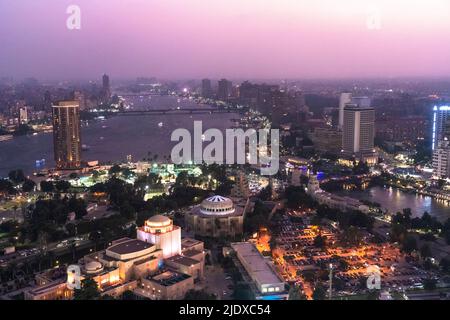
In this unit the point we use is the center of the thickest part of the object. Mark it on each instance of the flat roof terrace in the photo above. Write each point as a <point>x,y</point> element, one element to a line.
<point>130,249</point>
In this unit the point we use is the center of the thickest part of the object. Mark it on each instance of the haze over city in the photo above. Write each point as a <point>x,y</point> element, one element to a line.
<point>233,39</point>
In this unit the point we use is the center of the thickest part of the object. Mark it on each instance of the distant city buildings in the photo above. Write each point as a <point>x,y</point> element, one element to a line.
<point>405,130</point>
<point>327,140</point>
<point>224,89</point>
<point>106,88</point>
<point>23,115</point>
<point>362,102</point>
<point>207,91</point>
<point>66,135</point>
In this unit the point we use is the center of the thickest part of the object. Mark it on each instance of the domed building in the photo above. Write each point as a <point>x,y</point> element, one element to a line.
<point>216,217</point>
<point>160,231</point>
<point>93,267</point>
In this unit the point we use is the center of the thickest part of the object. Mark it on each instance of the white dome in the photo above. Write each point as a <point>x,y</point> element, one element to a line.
<point>93,267</point>
<point>158,221</point>
<point>217,205</point>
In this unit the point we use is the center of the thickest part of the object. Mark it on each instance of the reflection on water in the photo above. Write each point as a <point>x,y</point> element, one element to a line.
<point>395,200</point>
<point>115,138</point>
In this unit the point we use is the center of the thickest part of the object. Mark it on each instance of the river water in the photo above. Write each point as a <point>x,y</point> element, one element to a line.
<point>395,200</point>
<point>117,137</point>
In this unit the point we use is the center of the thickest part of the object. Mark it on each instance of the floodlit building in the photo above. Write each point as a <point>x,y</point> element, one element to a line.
<point>216,217</point>
<point>160,231</point>
<point>163,267</point>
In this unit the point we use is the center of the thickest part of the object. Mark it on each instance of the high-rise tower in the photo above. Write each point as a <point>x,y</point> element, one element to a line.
<point>66,135</point>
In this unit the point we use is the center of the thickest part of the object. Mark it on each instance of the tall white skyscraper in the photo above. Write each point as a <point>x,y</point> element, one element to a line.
<point>358,132</point>
<point>344,99</point>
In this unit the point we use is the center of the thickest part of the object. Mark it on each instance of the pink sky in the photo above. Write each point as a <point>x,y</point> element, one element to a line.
<point>225,38</point>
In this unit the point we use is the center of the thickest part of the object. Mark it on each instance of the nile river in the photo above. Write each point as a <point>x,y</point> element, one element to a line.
<point>395,200</point>
<point>115,138</point>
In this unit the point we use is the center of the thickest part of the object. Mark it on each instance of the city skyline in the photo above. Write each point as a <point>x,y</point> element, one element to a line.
<point>173,39</point>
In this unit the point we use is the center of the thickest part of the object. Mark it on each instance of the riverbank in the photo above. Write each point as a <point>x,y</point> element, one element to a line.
<point>394,200</point>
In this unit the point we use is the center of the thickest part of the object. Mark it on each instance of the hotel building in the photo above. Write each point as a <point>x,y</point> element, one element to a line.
<point>359,133</point>
<point>66,135</point>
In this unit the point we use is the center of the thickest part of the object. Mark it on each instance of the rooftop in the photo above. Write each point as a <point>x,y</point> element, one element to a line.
<point>255,264</point>
<point>169,278</point>
<point>189,242</point>
<point>185,261</point>
<point>129,246</point>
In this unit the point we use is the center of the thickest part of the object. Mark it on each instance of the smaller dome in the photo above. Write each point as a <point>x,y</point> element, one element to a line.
<point>158,221</point>
<point>93,267</point>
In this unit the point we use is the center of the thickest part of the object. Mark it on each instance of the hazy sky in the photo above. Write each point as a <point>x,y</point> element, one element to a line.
<point>226,38</point>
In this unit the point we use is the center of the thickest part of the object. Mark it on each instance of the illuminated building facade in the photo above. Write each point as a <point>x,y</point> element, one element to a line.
<point>160,231</point>
<point>164,268</point>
